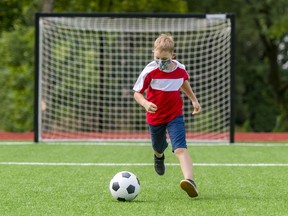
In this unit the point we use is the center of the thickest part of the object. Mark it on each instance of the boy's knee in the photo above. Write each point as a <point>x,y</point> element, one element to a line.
<point>179,151</point>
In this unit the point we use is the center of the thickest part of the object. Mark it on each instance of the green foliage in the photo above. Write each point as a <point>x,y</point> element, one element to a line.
<point>261,109</point>
<point>261,82</point>
<point>9,13</point>
<point>151,6</point>
<point>15,13</point>
<point>260,25</point>
<point>16,83</point>
<point>267,17</point>
<point>120,6</point>
<point>280,26</point>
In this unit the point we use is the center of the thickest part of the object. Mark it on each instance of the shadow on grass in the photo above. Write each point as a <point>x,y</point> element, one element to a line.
<point>138,201</point>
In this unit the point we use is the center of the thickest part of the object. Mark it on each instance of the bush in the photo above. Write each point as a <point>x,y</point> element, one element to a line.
<point>16,83</point>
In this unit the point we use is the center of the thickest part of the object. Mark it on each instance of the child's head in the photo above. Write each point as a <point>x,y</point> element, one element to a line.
<point>164,51</point>
<point>164,42</point>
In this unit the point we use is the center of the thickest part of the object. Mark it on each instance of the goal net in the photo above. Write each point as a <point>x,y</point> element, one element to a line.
<point>86,67</point>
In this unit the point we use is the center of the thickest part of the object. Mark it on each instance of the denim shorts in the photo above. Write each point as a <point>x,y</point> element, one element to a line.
<point>176,131</point>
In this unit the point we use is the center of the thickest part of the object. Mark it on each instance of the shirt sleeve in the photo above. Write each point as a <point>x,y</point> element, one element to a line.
<point>144,79</point>
<point>182,66</point>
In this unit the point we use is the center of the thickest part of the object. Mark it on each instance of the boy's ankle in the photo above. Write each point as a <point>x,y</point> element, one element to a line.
<point>159,158</point>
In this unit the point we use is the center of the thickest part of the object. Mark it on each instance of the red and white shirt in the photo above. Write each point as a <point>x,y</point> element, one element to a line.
<point>163,89</point>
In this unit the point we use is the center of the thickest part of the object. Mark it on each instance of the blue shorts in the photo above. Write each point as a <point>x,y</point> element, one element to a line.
<point>176,131</point>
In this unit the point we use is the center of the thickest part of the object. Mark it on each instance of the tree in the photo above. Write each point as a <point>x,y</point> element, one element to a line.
<point>17,65</point>
<point>261,29</point>
<point>261,54</point>
<point>270,21</point>
<point>16,83</point>
<point>17,46</point>
<point>9,14</point>
<point>120,6</point>
<point>47,6</point>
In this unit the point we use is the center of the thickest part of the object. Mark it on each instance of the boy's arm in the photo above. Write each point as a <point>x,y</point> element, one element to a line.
<point>149,107</point>
<point>186,88</point>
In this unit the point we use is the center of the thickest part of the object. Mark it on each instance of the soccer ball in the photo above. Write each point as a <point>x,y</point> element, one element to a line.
<point>124,186</point>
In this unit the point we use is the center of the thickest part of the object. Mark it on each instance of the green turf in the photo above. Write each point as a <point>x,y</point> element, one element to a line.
<point>83,190</point>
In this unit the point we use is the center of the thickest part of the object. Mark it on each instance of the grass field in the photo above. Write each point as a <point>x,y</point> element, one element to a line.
<point>73,179</point>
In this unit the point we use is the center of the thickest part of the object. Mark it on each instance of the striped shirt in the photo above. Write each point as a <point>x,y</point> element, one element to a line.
<point>163,89</point>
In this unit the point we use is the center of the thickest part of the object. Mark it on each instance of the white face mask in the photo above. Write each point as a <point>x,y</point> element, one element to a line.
<point>163,65</point>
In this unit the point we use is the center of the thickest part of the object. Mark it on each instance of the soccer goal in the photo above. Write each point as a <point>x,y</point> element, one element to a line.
<point>87,64</point>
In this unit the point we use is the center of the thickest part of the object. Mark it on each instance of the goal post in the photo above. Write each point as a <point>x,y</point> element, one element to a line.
<point>86,66</point>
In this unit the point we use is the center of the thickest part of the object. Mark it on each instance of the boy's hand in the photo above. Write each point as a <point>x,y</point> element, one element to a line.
<point>197,108</point>
<point>150,107</point>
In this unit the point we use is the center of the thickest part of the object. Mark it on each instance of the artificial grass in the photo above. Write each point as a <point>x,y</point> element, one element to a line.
<point>84,190</point>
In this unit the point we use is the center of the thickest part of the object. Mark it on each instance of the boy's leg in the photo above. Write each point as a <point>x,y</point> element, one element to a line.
<point>177,132</point>
<point>158,138</point>
<point>185,162</point>
<point>176,129</point>
<point>159,144</point>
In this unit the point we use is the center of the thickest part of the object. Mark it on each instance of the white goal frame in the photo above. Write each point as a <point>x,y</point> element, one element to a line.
<point>210,126</point>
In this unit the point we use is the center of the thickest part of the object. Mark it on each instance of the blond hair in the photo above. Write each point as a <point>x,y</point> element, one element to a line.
<point>164,42</point>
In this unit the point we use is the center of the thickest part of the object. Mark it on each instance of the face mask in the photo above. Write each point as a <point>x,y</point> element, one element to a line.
<point>163,65</point>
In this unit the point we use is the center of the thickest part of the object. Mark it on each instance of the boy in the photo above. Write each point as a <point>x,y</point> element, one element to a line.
<point>163,79</point>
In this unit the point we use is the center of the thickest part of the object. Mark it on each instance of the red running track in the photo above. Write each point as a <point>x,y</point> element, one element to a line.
<point>239,137</point>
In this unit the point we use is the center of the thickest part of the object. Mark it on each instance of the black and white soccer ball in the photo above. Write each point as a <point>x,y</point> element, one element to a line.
<point>124,186</point>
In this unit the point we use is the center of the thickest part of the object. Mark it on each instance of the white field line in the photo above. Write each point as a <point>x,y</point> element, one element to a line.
<point>146,144</point>
<point>143,164</point>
